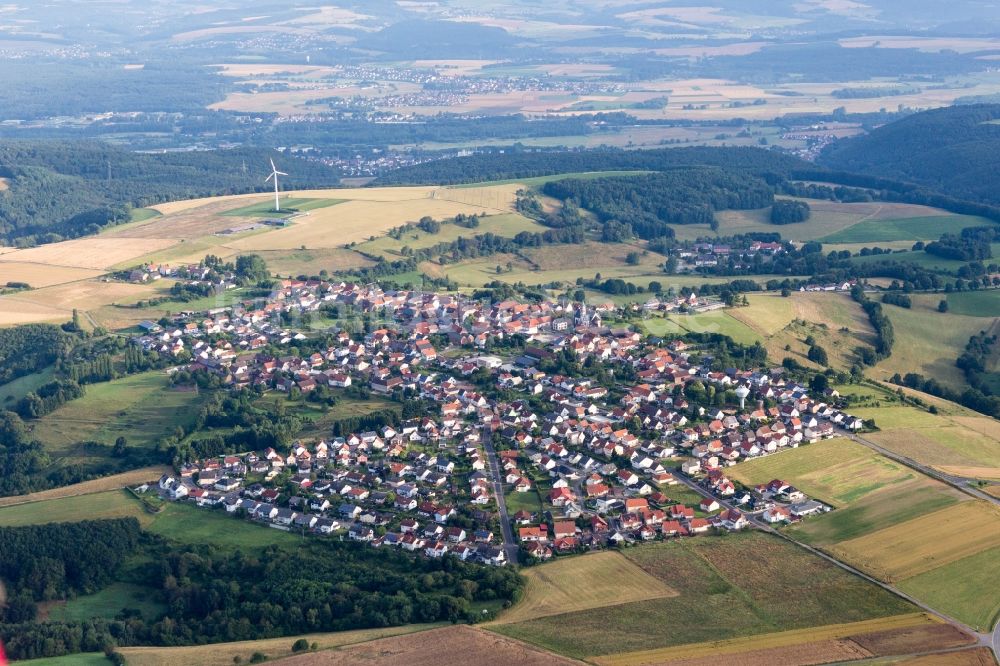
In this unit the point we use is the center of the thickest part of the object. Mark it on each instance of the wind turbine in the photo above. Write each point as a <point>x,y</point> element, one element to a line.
<point>274,174</point>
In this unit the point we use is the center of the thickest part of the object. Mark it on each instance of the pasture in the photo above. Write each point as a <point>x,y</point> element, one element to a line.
<point>973,303</point>
<point>107,603</point>
<point>926,543</point>
<point>142,408</point>
<point>716,321</point>
<point>835,471</point>
<point>722,595</point>
<point>925,228</point>
<point>555,588</point>
<point>223,654</point>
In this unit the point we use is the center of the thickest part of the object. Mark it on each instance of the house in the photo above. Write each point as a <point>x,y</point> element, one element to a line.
<point>709,505</point>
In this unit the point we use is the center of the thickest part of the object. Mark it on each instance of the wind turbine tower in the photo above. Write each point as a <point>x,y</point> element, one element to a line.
<point>274,174</point>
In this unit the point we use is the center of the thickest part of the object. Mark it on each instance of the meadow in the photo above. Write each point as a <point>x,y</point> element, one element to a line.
<point>972,303</point>
<point>611,579</point>
<point>836,471</point>
<point>107,603</point>
<point>925,228</point>
<point>960,588</point>
<point>721,596</point>
<point>716,321</point>
<point>142,408</point>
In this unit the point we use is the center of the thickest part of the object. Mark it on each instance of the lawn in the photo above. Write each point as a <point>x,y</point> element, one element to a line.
<point>965,589</point>
<point>528,501</point>
<point>926,543</point>
<point>289,205</point>
<point>142,408</point>
<point>108,603</point>
<point>738,585</point>
<point>555,588</point>
<point>906,229</point>
<point>836,471</point>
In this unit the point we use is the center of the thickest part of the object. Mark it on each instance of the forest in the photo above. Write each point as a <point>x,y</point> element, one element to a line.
<point>955,150</point>
<point>30,348</point>
<point>649,203</point>
<point>62,189</point>
<point>213,593</point>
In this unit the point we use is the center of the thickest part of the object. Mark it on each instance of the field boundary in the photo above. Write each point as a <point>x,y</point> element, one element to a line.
<point>92,487</point>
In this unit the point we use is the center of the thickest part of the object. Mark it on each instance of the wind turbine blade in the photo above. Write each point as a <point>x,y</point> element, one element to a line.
<point>281,173</point>
<point>269,178</point>
<point>273,168</point>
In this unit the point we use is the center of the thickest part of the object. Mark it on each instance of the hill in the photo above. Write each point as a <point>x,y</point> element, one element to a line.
<point>61,189</point>
<point>954,150</point>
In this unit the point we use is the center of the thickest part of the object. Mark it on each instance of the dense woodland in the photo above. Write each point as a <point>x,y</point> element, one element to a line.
<point>62,189</point>
<point>649,203</point>
<point>30,348</point>
<point>955,150</point>
<point>213,594</point>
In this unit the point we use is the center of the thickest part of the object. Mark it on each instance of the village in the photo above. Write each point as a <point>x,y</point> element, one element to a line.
<point>515,459</point>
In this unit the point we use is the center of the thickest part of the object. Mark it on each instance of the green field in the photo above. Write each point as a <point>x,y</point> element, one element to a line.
<point>874,512</point>
<point>974,303</point>
<point>108,603</point>
<point>906,229</point>
<point>959,588</point>
<point>917,258</point>
<point>507,225</point>
<point>740,585</point>
<point>836,471</point>
<point>84,659</point>
<point>20,387</point>
<point>528,501</point>
<point>142,408</point>
<point>180,521</point>
<point>289,206</point>
<point>143,214</point>
<point>541,180</point>
<point>716,321</point>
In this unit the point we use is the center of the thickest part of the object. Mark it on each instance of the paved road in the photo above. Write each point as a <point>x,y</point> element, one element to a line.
<point>509,544</point>
<point>983,639</point>
<point>961,483</point>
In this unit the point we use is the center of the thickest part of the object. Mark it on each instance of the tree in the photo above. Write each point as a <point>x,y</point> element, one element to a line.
<point>633,258</point>
<point>251,268</point>
<point>942,305</point>
<point>300,645</point>
<point>818,355</point>
<point>819,383</point>
<point>120,444</point>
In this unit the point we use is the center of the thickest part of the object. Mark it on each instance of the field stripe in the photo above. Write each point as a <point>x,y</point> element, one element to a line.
<point>764,641</point>
<point>114,482</point>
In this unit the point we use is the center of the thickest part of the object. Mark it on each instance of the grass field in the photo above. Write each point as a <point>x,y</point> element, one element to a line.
<point>724,592</point>
<point>964,589</point>
<point>103,484</point>
<point>815,640</point>
<point>20,387</point>
<point>558,587</point>
<point>289,205</point>
<point>222,654</point>
<point>974,303</point>
<point>926,543</point>
<point>142,408</point>
<point>311,262</point>
<point>836,471</point>
<point>507,225</point>
<point>716,321</point>
<point>83,659</point>
<point>108,603</point>
<point>182,522</point>
<point>925,228</point>
<point>879,509</point>
<point>928,342</point>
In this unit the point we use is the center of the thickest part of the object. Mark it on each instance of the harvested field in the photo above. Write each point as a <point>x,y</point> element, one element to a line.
<point>449,646</point>
<point>14,312</point>
<point>912,640</point>
<point>88,294</point>
<point>38,275</point>
<point>113,482</point>
<point>925,543</point>
<point>99,252</point>
<point>837,471</point>
<point>353,221</point>
<point>975,657</point>
<point>555,588</point>
<point>828,643</point>
<point>222,654</point>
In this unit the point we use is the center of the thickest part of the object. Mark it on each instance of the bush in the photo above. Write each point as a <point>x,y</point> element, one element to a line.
<point>300,645</point>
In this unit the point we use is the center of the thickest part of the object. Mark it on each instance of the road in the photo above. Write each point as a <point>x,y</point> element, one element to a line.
<point>509,544</point>
<point>983,639</point>
<point>960,483</point>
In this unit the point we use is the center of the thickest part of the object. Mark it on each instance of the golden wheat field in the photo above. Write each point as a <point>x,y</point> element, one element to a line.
<point>41,275</point>
<point>99,252</point>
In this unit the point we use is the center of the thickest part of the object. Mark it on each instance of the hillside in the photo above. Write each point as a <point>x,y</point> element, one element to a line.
<point>954,150</point>
<point>57,189</point>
